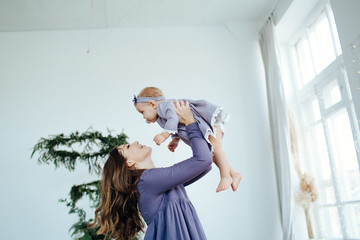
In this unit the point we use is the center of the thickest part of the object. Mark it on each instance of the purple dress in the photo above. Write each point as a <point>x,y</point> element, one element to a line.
<point>205,113</point>
<point>163,201</point>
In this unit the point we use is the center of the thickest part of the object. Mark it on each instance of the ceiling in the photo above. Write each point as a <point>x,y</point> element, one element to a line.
<point>31,15</point>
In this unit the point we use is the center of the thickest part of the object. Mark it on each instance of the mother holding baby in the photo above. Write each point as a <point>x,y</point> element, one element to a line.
<point>132,189</point>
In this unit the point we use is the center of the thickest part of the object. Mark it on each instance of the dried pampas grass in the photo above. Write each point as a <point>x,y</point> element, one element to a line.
<point>308,193</point>
<point>305,197</point>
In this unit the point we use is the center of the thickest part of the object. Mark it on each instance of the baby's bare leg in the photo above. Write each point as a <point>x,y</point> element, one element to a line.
<point>236,178</point>
<point>221,161</point>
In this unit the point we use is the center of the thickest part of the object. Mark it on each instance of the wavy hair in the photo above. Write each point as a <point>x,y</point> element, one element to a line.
<point>118,214</point>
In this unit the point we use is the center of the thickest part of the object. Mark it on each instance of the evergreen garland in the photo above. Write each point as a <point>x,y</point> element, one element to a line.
<point>80,229</point>
<point>50,152</point>
<point>59,150</point>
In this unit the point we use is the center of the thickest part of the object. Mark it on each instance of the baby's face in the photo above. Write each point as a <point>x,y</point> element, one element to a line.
<point>148,111</point>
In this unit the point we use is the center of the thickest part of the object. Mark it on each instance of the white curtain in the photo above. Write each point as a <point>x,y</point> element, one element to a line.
<point>278,122</point>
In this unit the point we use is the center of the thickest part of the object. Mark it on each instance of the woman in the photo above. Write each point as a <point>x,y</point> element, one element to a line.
<point>130,182</point>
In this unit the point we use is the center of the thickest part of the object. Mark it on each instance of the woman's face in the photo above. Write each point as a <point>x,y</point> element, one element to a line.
<point>135,153</point>
<point>148,111</point>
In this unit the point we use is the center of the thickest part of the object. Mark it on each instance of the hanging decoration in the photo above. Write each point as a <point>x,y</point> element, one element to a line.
<point>91,47</point>
<point>92,6</point>
<point>89,148</point>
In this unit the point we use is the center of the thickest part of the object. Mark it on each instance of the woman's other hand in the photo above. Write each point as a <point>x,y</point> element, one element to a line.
<point>183,111</point>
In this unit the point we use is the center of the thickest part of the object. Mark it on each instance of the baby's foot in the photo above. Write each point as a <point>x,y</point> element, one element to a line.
<point>236,178</point>
<point>224,184</point>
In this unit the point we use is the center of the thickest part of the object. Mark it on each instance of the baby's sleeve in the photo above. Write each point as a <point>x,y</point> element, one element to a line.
<point>172,119</point>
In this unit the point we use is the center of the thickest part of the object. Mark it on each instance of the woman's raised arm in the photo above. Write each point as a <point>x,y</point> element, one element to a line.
<point>185,172</point>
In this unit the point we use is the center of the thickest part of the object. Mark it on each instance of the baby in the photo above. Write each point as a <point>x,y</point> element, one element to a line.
<point>152,104</point>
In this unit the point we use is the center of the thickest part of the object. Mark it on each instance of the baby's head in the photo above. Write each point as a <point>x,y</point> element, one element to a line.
<point>146,103</point>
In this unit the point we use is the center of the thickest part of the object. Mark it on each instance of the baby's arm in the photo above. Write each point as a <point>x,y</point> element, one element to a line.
<point>171,123</point>
<point>173,144</point>
<point>160,138</point>
<point>172,120</point>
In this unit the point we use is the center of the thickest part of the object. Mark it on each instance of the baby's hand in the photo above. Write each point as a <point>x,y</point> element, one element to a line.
<point>173,144</point>
<point>159,139</point>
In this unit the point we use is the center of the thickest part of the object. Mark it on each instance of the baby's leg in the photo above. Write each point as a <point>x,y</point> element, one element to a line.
<point>221,161</point>
<point>236,178</point>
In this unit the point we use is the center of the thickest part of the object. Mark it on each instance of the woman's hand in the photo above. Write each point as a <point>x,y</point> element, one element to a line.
<point>183,111</point>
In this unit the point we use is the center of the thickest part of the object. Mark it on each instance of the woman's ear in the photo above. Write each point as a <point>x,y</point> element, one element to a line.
<point>130,164</point>
<point>153,104</point>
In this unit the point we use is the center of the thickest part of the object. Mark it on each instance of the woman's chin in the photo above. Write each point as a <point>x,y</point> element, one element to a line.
<point>148,148</point>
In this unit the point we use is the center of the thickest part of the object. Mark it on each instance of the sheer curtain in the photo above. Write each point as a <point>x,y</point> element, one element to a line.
<point>278,122</point>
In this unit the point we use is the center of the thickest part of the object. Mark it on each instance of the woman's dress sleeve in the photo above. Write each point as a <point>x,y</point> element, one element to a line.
<point>160,180</point>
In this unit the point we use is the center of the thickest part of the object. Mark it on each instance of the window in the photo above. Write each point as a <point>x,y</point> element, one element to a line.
<point>328,129</point>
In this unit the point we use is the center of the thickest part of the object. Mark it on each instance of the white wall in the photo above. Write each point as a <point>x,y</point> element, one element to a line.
<point>49,85</point>
<point>347,21</point>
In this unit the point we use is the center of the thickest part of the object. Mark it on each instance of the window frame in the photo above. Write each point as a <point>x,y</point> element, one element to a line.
<point>314,88</point>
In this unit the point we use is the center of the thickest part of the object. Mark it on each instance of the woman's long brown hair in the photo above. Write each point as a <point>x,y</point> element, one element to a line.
<point>118,214</point>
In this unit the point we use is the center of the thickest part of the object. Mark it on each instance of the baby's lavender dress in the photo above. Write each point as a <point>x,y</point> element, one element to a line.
<point>163,201</point>
<point>205,113</point>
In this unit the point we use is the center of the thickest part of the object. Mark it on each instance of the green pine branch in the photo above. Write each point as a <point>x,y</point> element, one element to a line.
<point>59,149</point>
